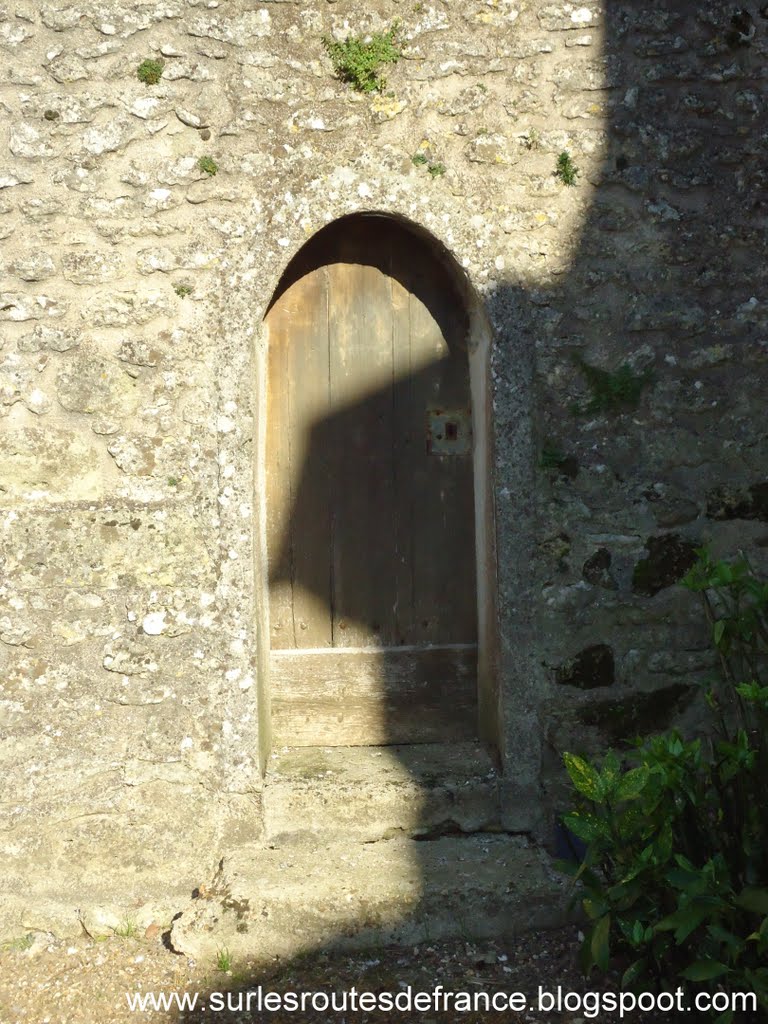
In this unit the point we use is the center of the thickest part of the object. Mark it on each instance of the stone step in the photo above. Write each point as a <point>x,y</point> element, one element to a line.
<point>372,793</point>
<point>311,894</point>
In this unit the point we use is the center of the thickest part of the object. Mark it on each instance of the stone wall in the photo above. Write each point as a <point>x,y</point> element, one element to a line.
<point>134,285</point>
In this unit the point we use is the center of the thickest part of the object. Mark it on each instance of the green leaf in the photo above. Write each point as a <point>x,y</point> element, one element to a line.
<point>704,970</point>
<point>599,943</point>
<point>718,631</point>
<point>634,972</point>
<point>583,776</point>
<point>594,909</point>
<point>684,920</point>
<point>734,944</point>
<point>752,899</point>
<point>586,826</point>
<point>633,783</point>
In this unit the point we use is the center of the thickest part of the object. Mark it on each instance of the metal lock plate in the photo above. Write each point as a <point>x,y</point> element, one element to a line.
<point>449,431</point>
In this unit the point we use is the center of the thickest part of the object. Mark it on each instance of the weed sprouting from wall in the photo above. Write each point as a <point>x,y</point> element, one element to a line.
<point>208,165</point>
<point>358,59</point>
<point>150,71</point>
<point>612,391</point>
<point>566,170</point>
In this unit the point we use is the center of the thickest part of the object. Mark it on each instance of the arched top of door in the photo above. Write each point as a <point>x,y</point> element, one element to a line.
<point>400,249</point>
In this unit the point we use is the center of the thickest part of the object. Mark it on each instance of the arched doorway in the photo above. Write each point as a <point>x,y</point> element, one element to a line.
<point>370,502</point>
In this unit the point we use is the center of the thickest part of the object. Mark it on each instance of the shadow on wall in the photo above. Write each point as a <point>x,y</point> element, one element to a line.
<point>660,280</point>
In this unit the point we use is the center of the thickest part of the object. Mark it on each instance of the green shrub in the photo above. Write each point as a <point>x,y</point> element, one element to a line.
<point>150,71</point>
<point>358,59</point>
<point>565,169</point>
<point>675,876</point>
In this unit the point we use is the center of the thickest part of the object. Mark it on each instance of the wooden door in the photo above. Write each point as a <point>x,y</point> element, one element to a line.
<point>370,503</point>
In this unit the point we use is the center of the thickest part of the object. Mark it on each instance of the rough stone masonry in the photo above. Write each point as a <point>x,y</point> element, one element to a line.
<point>134,283</point>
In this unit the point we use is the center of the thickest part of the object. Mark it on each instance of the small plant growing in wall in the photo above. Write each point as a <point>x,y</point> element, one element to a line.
<point>183,290</point>
<point>612,391</point>
<point>358,59</point>
<point>552,456</point>
<point>127,929</point>
<point>208,165</point>
<point>434,168</point>
<point>224,959</point>
<point>150,71</point>
<point>566,170</point>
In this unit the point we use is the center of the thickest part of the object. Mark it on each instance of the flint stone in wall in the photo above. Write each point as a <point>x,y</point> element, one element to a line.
<point>108,138</point>
<point>148,107</point>
<point>99,50</point>
<point>39,209</point>
<point>138,352</point>
<point>158,199</point>
<point>9,178</point>
<point>70,109</point>
<point>166,172</point>
<point>237,31</point>
<point>595,75</point>
<point>669,559</point>
<point>92,383</point>
<point>49,464</point>
<point>189,257</point>
<point>492,149</point>
<point>564,17</point>
<point>139,455</point>
<point>61,17</point>
<point>18,307</point>
<point>89,266</point>
<point>105,549</point>
<point>67,68</point>
<point>215,191</point>
<point>16,381</point>
<point>35,265</point>
<point>467,100</point>
<point>738,503</point>
<point>52,339</point>
<point>26,141</point>
<point>12,33</point>
<point>597,570</point>
<point>192,70</point>
<point>122,309</point>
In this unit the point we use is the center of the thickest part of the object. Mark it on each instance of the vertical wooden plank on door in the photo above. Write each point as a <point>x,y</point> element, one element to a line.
<point>361,393</point>
<point>278,474</point>
<point>311,484</point>
<point>443,526</point>
<point>407,438</point>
